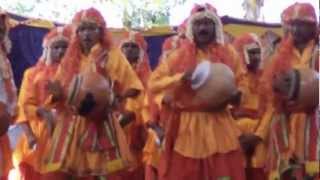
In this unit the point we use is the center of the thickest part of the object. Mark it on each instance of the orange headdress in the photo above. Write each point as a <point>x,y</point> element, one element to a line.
<point>299,11</point>
<point>135,37</point>
<point>70,62</point>
<point>143,68</point>
<point>202,11</point>
<point>56,34</point>
<point>246,42</point>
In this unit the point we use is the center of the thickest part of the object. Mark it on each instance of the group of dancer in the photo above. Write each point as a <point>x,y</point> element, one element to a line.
<point>149,129</point>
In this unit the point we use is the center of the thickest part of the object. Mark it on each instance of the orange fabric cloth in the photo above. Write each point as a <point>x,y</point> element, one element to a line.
<point>218,166</point>
<point>33,94</point>
<point>299,11</point>
<point>306,135</point>
<point>251,97</point>
<point>151,151</point>
<point>251,100</point>
<point>5,156</point>
<point>26,86</point>
<point>170,44</point>
<point>136,132</point>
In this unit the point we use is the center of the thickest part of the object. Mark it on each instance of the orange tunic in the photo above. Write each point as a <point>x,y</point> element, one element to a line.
<point>135,131</point>
<point>251,102</point>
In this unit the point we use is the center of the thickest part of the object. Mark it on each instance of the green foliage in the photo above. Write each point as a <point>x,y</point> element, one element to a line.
<point>21,8</point>
<point>146,13</point>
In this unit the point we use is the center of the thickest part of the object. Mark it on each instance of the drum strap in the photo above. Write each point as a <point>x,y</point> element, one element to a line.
<point>313,63</point>
<point>100,63</point>
<point>75,91</point>
<point>279,142</point>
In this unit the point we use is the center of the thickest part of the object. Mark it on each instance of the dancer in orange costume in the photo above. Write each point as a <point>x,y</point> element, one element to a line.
<point>250,110</point>
<point>198,145</point>
<point>297,50</point>
<point>84,147</point>
<point>134,48</point>
<point>34,117</point>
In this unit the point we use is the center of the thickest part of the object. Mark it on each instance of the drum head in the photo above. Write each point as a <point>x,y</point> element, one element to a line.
<point>200,75</point>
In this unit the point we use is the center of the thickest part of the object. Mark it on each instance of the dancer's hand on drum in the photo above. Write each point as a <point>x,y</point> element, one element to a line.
<point>168,99</point>
<point>54,88</point>
<point>159,131</point>
<point>87,104</point>
<point>236,98</point>
<point>248,143</point>
<point>32,142</point>
<point>187,76</point>
<point>233,100</point>
<point>31,138</point>
<point>126,118</point>
<point>47,117</point>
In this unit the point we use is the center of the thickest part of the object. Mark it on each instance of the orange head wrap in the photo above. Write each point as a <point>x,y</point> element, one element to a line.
<point>90,15</point>
<point>202,11</point>
<point>299,11</point>
<point>56,34</point>
<point>245,43</point>
<point>143,67</point>
<point>70,62</point>
<point>135,37</point>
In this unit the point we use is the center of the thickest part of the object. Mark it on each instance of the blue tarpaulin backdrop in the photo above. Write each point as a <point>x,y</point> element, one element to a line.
<point>26,49</point>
